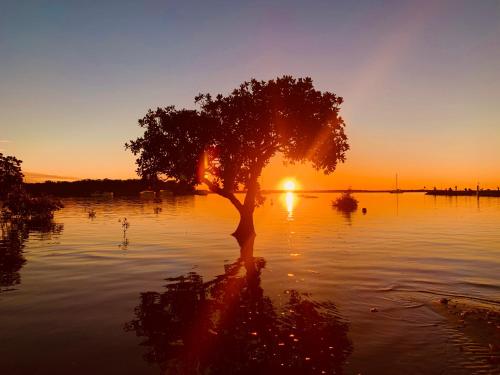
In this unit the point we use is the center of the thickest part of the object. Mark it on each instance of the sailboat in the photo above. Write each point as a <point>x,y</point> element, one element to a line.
<point>397,191</point>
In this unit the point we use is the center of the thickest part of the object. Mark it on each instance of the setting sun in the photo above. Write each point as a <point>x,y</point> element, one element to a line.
<point>289,185</point>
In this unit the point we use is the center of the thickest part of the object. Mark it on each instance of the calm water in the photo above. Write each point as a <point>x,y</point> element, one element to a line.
<point>80,296</point>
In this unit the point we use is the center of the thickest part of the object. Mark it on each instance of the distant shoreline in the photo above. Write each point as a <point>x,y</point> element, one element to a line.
<point>133,187</point>
<point>466,193</point>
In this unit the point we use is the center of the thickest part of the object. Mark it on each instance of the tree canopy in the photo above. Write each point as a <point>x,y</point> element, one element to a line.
<point>10,174</point>
<point>229,140</point>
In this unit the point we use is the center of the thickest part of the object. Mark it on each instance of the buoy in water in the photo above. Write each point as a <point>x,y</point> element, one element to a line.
<point>363,210</point>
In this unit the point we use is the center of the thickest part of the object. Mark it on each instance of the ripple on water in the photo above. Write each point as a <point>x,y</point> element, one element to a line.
<point>379,274</point>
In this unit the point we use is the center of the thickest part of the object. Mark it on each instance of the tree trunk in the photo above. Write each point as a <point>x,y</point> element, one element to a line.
<point>246,230</point>
<point>246,253</point>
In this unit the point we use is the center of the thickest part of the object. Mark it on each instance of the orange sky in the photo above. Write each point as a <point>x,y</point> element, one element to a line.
<point>420,82</point>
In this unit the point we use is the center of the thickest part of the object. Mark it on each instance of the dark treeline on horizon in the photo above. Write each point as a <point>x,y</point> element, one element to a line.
<point>466,192</point>
<point>133,187</point>
<point>87,188</point>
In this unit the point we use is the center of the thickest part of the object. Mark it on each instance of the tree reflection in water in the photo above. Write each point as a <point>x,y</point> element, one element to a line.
<point>14,234</point>
<point>228,326</point>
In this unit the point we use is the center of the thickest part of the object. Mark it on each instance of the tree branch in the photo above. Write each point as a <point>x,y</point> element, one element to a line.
<point>224,193</point>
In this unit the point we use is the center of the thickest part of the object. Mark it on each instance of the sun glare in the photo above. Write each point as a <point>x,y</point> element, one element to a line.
<point>289,185</point>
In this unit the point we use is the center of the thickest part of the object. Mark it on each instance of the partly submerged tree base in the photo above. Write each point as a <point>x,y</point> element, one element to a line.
<point>346,202</point>
<point>245,234</point>
<point>246,246</point>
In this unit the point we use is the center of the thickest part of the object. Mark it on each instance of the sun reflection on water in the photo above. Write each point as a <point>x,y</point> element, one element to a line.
<point>290,204</point>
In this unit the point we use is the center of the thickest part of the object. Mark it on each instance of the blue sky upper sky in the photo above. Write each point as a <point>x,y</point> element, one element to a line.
<point>420,79</point>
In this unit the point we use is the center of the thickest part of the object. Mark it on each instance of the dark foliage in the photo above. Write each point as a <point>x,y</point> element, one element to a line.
<point>16,202</point>
<point>228,326</point>
<point>346,202</point>
<point>228,142</point>
<point>19,204</point>
<point>11,176</point>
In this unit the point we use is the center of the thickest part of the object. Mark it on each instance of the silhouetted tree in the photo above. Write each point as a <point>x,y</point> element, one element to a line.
<point>11,176</point>
<point>230,139</point>
<point>16,201</point>
<point>229,326</point>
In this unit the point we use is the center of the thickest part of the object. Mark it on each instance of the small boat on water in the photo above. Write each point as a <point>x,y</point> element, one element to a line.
<point>147,194</point>
<point>166,193</point>
<point>103,194</point>
<point>201,192</point>
<point>396,191</point>
<point>308,196</point>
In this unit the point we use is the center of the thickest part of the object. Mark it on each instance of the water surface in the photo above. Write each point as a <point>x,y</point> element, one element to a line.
<point>81,296</point>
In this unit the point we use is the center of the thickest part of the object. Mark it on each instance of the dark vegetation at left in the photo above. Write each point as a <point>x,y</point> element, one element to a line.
<point>16,201</point>
<point>21,213</point>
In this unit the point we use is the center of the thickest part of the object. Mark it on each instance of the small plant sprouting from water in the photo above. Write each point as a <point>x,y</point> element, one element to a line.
<point>346,202</point>
<point>91,213</point>
<point>125,225</point>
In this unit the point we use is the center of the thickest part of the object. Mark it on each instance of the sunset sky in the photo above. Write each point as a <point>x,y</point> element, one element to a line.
<point>421,80</point>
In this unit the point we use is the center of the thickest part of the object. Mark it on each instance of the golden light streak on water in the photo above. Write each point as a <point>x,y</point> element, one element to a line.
<point>290,202</point>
